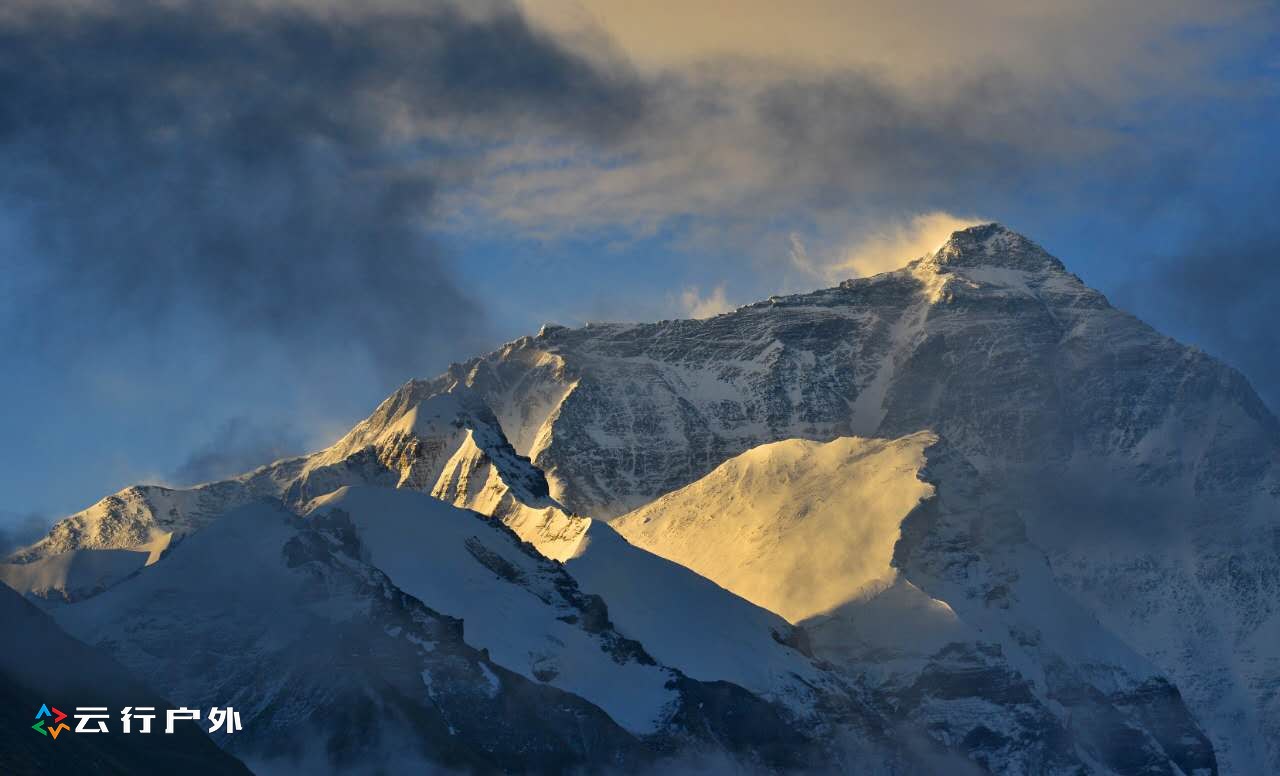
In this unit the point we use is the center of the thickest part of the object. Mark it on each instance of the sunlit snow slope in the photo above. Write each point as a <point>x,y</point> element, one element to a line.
<point>797,527</point>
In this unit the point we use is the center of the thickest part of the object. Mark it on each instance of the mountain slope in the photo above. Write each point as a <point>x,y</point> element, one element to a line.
<point>387,629</point>
<point>447,444</point>
<point>40,664</point>
<point>924,587</point>
<point>447,557</point>
<point>797,527</point>
<point>689,621</point>
<point>331,665</point>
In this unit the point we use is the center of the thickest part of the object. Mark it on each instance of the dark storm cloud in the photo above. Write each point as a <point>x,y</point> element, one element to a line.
<point>259,169</point>
<point>239,445</point>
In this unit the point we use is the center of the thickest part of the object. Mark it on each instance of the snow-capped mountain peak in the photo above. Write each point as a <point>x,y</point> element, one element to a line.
<point>993,245</point>
<point>1096,525</point>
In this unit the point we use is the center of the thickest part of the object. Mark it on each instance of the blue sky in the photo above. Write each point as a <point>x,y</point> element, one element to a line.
<point>226,233</point>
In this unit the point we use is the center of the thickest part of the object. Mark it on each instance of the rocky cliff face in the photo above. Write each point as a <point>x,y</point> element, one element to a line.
<point>1086,464</point>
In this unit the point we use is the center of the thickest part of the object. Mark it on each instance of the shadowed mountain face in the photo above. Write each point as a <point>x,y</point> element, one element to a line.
<point>40,664</point>
<point>1078,568</point>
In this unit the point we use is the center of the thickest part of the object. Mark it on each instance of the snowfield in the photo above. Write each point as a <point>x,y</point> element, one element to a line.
<point>797,527</point>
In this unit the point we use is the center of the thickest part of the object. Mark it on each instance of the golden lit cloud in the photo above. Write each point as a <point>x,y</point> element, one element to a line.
<point>695,305</point>
<point>879,249</point>
<point>905,40</point>
<point>834,110</point>
<point>889,248</point>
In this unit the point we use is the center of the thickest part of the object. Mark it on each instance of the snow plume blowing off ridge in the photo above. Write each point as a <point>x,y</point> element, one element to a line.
<point>881,249</point>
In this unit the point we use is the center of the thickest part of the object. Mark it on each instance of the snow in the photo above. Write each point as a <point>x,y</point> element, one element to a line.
<point>72,574</point>
<point>254,536</point>
<point>868,409</point>
<point>797,527</point>
<point>899,623</point>
<point>1000,277</point>
<point>256,613</point>
<point>457,485</point>
<point>402,415</point>
<point>557,535</point>
<point>688,621</point>
<point>813,532</point>
<point>423,546</point>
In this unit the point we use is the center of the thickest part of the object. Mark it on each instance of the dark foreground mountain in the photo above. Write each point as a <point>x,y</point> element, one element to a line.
<point>40,664</point>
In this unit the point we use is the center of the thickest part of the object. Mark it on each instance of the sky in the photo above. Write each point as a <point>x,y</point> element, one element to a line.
<point>228,230</point>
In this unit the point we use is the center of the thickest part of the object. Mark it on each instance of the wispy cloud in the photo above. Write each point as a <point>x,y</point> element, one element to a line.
<point>238,445</point>
<point>694,305</point>
<point>838,110</point>
<point>18,530</point>
<point>892,245</point>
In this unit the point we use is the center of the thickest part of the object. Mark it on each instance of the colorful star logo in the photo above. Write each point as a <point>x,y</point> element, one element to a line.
<point>56,727</point>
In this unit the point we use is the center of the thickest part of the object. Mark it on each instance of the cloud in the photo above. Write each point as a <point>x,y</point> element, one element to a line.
<point>237,446</point>
<point>883,247</point>
<point>892,246</point>
<point>695,305</point>
<point>844,148</point>
<point>20,529</point>
<point>264,170</point>
<point>827,119</point>
<point>910,41</point>
<point>798,254</point>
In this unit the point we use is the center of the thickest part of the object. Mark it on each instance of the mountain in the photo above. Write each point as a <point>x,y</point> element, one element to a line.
<point>847,539</point>
<point>1146,472</point>
<point>40,664</point>
<point>1084,515</point>
<point>385,629</point>
<point>448,444</point>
